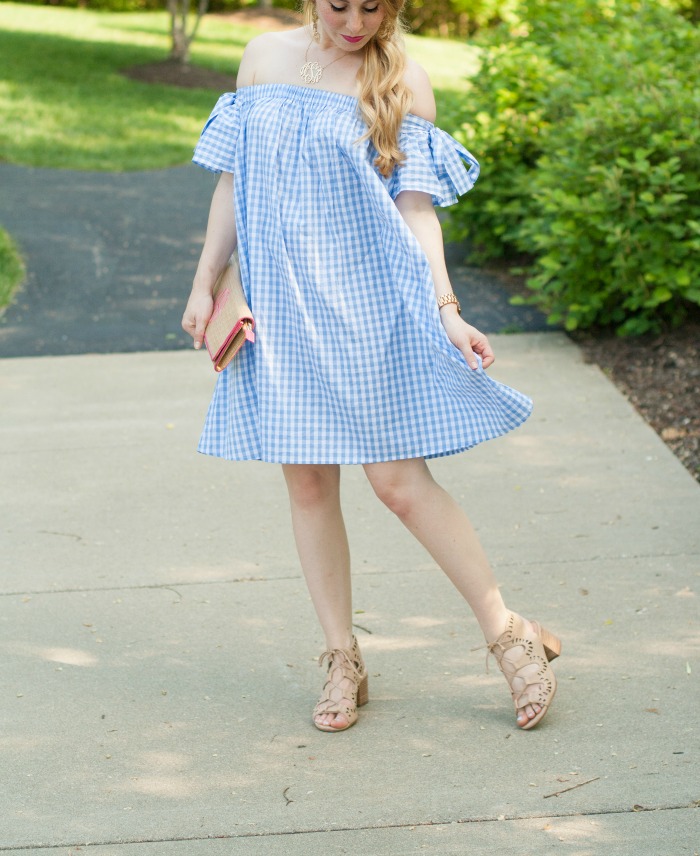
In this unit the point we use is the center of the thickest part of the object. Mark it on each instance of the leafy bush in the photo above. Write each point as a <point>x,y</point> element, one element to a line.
<point>588,129</point>
<point>689,8</point>
<point>457,17</point>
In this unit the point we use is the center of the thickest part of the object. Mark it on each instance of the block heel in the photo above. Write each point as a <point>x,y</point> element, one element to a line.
<point>363,692</point>
<point>550,642</point>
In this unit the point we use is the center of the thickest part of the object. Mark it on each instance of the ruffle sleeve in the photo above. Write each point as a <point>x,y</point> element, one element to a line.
<point>217,143</point>
<point>435,163</point>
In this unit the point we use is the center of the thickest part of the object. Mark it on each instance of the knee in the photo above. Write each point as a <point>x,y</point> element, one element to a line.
<point>396,493</point>
<point>310,486</point>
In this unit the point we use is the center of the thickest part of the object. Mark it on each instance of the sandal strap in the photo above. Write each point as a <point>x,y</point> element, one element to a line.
<point>347,663</point>
<point>351,666</point>
<point>520,684</point>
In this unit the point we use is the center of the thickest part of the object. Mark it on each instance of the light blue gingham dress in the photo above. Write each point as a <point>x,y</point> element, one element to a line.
<point>351,364</point>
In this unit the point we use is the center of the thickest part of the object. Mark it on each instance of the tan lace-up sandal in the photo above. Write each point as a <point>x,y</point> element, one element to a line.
<point>524,660</point>
<point>337,697</point>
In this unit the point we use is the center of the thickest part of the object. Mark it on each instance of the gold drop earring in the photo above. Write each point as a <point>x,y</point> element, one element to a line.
<point>314,24</point>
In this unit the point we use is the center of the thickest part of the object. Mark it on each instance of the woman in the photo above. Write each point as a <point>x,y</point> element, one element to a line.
<point>330,169</point>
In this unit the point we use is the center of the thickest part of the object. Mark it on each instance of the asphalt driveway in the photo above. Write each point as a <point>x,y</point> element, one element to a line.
<point>110,258</point>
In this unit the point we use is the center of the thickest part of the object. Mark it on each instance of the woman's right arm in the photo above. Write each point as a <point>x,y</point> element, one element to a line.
<point>219,244</point>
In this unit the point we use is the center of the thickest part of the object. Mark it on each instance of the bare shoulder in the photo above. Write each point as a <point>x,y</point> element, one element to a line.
<point>417,80</point>
<point>258,54</point>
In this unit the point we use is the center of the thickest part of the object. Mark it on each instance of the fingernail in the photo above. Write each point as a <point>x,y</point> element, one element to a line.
<point>197,345</point>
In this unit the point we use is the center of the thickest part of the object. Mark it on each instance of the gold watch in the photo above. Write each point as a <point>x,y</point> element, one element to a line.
<point>445,299</point>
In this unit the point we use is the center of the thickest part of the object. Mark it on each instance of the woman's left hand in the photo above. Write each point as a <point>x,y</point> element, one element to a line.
<point>466,338</point>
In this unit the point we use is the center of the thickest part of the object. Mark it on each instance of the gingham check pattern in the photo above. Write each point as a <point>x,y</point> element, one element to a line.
<point>351,363</point>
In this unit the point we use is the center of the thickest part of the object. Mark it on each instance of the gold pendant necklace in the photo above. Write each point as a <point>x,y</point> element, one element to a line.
<point>311,72</point>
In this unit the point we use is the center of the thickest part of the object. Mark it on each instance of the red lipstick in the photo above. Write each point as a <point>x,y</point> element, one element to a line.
<point>353,39</point>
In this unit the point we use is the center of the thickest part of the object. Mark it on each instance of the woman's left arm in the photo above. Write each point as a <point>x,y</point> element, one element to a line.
<point>417,210</point>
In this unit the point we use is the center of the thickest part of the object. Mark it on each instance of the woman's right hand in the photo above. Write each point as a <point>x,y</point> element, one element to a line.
<point>218,247</point>
<point>197,314</point>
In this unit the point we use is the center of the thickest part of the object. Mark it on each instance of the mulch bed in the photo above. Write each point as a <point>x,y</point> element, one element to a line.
<point>273,19</point>
<point>170,73</point>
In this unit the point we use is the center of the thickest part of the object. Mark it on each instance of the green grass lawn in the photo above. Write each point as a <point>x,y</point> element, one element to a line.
<point>64,103</point>
<point>11,269</point>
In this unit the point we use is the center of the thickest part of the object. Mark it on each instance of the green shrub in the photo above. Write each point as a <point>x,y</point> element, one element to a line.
<point>689,8</point>
<point>588,129</point>
<point>617,235</point>
<point>457,17</point>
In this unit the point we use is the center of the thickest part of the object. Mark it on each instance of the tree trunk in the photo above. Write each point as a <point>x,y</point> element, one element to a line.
<point>180,38</point>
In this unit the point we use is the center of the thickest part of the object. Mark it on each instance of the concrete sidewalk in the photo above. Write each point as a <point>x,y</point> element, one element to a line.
<point>158,642</point>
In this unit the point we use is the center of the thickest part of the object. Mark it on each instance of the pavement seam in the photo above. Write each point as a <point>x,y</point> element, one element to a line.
<point>356,573</point>
<point>344,829</point>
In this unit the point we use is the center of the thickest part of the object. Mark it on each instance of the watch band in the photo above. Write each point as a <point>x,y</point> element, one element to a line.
<point>446,299</point>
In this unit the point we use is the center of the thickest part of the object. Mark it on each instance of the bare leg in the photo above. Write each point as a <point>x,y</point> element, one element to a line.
<point>408,489</point>
<point>322,544</point>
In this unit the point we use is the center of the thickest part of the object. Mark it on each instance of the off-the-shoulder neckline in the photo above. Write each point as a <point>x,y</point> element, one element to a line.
<point>315,91</point>
<point>326,95</point>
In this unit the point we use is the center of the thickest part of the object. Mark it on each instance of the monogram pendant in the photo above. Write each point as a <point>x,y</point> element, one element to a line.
<point>311,72</point>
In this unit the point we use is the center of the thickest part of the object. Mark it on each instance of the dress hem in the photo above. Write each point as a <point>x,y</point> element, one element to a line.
<point>369,460</point>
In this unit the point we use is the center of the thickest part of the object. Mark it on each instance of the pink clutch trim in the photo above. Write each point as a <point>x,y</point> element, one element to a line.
<point>231,323</point>
<point>244,325</point>
<point>221,301</point>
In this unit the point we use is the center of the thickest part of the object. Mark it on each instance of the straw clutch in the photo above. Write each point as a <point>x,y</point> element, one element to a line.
<point>231,323</point>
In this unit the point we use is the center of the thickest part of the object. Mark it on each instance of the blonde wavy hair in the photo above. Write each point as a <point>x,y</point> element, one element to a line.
<point>384,98</point>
